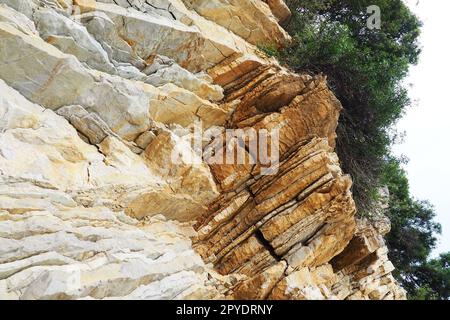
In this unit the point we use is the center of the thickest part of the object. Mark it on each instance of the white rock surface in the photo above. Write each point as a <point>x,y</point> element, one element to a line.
<point>72,38</point>
<point>53,247</point>
<point>95,253</point>
<point>62,160</point>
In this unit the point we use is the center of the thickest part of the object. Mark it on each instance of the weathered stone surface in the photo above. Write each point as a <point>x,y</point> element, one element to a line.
<point>95,253</point>
<point>173,159</point>
<point>54,248</point>
<point>89,124</point>
<point>304,213</point>
<point>101,183</point>
<point>16,19</point>
<point>364,269</point>
<point>61,160</point>
<point>124,105</point>
<point>305,284</point>
<point>250,19</point>
<point>180,106</point>
<point>72,38</point>
<point>43,74</point>
<point>163,70</point>
<point>261,285</point>
<point>361,272</point>
<point>132,35</point>
<point>280,10</point>
<point>25,7</point>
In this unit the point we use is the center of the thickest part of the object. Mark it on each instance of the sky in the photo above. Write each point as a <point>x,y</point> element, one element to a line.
<point>426,124</point>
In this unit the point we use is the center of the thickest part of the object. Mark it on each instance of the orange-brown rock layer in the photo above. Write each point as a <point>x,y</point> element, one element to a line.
<point>293,233</point>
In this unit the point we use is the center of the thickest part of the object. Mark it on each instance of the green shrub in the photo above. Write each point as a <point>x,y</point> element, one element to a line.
<point>269,50</point>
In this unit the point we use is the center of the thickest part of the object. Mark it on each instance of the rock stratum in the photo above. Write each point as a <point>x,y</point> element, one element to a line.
<point>97,97</point>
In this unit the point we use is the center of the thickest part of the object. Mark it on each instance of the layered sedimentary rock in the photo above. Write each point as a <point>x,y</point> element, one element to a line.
<point>103,193</point>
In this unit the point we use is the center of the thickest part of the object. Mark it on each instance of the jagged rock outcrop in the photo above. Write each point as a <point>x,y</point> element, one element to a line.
<point>103,193</point>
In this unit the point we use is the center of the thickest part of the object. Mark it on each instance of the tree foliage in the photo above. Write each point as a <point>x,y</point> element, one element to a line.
<point>412,239</point>
<point>432,279</point>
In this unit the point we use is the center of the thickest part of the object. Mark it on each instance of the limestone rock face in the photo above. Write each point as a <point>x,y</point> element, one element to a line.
<point>253,20</point>
<point>115,121</point>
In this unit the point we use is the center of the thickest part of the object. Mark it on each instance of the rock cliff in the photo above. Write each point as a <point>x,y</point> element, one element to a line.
<point>103,195</point>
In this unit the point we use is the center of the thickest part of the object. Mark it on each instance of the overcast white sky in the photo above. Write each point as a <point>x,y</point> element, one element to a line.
<point>427,142</point>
